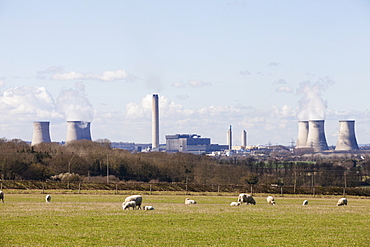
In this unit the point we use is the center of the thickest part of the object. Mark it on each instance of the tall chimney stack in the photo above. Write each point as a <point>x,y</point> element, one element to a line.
<point>346,138</point>
<point>155,122</point>
<point>316,136</point>
<point>40,133</point>
<point>302,134</point>
<point>230,138</point>
<point>78,130</point>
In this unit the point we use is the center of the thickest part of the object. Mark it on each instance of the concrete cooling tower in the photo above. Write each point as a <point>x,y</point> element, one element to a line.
<point>40,133</point>
<point>302,134</point>
<point>346,138</point>
<point>78,130</point>
<point>316,136</point>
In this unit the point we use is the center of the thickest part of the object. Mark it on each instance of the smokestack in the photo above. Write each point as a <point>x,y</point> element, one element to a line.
<point>40,133</point>
<point>302,134</point>
<point>230,138</point>
<point>155,122</point>
<point>244,138</point>
<point>78,130</point>
<point>346,138</point>
<point>316,136</point>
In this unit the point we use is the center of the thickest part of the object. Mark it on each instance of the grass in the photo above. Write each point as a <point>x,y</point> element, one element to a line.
<point>98,220</point>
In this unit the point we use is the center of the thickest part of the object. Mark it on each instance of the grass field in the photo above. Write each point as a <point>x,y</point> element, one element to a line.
<point>98,220</point>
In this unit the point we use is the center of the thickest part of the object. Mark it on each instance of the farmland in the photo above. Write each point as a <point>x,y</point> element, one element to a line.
<point>97,219</point>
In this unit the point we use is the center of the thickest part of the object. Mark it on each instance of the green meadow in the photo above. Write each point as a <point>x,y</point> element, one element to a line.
<point>98,220</point>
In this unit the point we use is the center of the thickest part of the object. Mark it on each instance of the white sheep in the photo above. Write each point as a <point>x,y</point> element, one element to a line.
<point>270,200</point>
<point>342,202</point>
<point>47,198</point>
<point>148,208</point>
<point>2,196</point>
<point>188,201</point>
<point>128,205</point>
<point>138,199</point>
<point>248,199</point>
<point>305,202</point>
<point>235,204</point>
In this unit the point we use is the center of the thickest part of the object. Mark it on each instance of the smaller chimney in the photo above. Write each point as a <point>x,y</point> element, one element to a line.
<point>244,139</point>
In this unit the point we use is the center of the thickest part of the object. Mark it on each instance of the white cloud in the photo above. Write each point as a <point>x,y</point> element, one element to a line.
<point>285,90</point>
<point>57,73</point>
<point>178,84</point>
<point>244,72</point>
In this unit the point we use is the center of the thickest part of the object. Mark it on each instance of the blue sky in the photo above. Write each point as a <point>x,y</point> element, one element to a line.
<point>259,66</point>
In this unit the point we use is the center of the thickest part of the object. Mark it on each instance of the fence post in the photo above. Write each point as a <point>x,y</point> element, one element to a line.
<point>79,188</point>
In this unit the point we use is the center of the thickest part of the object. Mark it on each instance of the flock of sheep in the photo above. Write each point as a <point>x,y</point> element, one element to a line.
<point>135,201</point>
<point>248,199</point>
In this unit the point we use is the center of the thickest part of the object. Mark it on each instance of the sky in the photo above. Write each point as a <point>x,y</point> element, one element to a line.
<point>259,66</point>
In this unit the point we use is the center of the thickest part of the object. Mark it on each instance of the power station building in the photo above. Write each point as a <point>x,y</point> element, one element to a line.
<point>191,143</point>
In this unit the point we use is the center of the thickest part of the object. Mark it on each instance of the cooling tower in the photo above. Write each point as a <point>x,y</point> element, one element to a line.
<point>244,138</point>
<point>302,134</point>
<point>78,130</point>
<point>346,138</point>
<point>229,138</point>
<point>155,122</point>
<point>40,132</point>
<point>316,136</point>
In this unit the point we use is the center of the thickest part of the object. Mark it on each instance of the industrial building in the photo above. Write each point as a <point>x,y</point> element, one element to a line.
<point>191,143</point>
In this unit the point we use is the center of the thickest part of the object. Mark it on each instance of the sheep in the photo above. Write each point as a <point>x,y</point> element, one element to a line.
<point>2,196</point>
<point>235,204</point>
<point>188,201</point>
<point>248,199</point>
<point>138,199</point>
<point>148,208</point>
<point>305,202</point>
<point>342,202</point>
<point>47,198</point>
<point>128,205</point>
<point>270,200</point>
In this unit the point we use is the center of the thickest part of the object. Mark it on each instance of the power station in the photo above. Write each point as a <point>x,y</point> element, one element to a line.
<point>41,133</point>
<point>78,130</point>
<point>346,138</point>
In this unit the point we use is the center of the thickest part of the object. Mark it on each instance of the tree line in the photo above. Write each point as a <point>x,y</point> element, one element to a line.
<point>95,161</point>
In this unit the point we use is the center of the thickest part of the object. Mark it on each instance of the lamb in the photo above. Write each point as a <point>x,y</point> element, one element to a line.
<point>235,204</point>
<point>188,201</point>
<point>270,200</point>
<point>2,196</point>
<point>342,202</point>
<point>305,202</point>
<point>138,199</point>
<point>47,198</point>
<point>148,208</point>
<point>248,199</point>
<point>128,205</point>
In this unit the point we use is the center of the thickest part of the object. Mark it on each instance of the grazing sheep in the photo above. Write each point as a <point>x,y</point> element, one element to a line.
<point>235,204</point>
<point>270,200</point>
<point>2,196</point>
<point>248,199</point>
<point>128,205</point>
<point>342,202</point>
<point>148,208</point>
<point>305,202</point>
<point>47,198</point>
<point>188,201</point>
<point>138,199</point>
